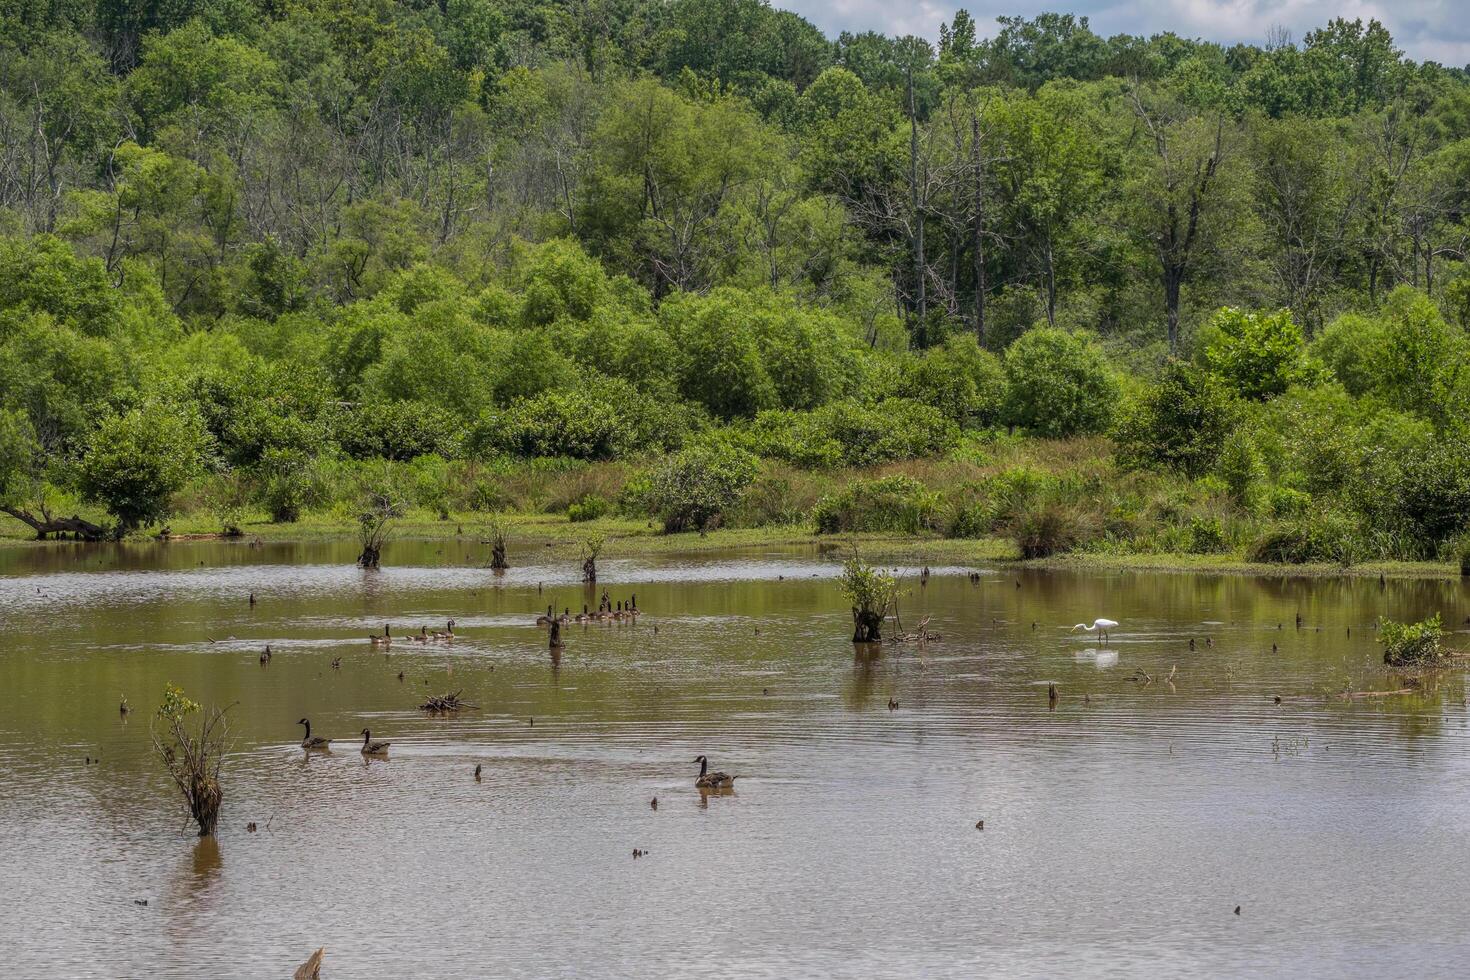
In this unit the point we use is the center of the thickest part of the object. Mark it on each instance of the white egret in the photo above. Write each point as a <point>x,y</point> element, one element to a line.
<point>1100,626</point>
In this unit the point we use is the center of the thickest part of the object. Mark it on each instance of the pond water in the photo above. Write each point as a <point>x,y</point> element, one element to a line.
<point>1121,828</point>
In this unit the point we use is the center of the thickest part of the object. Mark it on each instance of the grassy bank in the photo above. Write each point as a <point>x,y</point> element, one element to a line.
<point>555,536</point>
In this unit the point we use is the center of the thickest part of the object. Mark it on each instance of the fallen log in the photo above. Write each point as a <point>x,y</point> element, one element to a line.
<point>1355,695</point>
<point>46,524</point>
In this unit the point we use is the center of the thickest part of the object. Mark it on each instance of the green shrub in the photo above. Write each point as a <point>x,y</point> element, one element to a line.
<point>890,503</point>
<point>1049,528</point>
<point>1259,355</point>
<point>398,430</point>
<point>1181,423</point>
<point>848,433</point>
<point>1411,644</point>
<point>1319,539</point>
<point>1058,385</point>
<point>602,418</point>
<point>1239,466</point>
<point>139,460</point>
<point>959,379</point>
<point>488,495</point>
<point>589,508</point>
<point>1206,536</point>
<point>286,478</point>
<point>1285,502</point>
<point>694,488</point>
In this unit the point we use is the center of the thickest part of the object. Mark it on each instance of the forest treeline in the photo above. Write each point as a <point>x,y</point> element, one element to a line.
<point>1136,293</point>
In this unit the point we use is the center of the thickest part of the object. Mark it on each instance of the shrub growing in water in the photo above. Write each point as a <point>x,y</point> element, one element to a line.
<point>1411,644</point>
<point>192,758</point>
<point>890,503</point>
<point>870,591</point>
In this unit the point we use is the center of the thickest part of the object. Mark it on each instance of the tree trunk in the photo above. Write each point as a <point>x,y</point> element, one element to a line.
<point>1172,281</point>
<point>867,626</point>
<point>978,245</point>
<point>921,298</point>
<point>46,524</point>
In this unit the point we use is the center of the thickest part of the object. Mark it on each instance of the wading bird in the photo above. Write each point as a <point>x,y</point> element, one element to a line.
<point>1100,626</point>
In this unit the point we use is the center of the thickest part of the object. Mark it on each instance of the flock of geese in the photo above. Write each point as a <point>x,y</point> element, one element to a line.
<point>607,610</point>
<point>315,743</point>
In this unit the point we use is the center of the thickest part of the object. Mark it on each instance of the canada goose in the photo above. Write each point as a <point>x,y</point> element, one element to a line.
<point>311,742</point>
<point>369,747</point>
<point>545,618</point>
<point>385,639</point>
<point>477,771</point>
<point>653,803</point>
<point>712,780</point>
<point>265,655</point>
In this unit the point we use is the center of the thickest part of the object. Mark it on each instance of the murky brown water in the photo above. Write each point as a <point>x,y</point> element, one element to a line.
<point>1120,833</point>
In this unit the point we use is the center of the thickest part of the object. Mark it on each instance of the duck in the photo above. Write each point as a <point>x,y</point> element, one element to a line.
<point>336,663</point>
<point>712,780</point>
<point>311,742</point>
<point>369,747</point>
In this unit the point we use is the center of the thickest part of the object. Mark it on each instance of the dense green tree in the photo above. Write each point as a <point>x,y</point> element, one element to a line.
<point>1181,422</point>
<point>1057,384</point>
<point>1259,355</point>
<point>139,459</point>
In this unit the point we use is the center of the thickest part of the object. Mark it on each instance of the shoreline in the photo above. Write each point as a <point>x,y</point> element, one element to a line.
<point>633,538</point>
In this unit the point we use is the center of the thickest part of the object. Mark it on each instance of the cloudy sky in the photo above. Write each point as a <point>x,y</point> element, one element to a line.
<point>1427,30</point>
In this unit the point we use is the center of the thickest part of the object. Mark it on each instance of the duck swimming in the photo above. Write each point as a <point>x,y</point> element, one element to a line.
<point>712,780</point>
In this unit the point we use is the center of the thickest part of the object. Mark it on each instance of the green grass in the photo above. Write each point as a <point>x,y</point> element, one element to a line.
<point>644,537</point>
